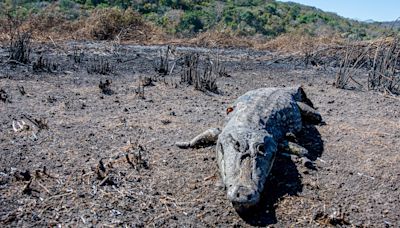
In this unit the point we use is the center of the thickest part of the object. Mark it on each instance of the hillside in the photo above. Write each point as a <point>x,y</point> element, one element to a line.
<point>183,18</point>
<point>389,24</point>
<point>269,18</point>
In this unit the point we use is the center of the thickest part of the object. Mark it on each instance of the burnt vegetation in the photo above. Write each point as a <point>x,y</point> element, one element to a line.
<point>384,74</point>
<point>201,72</point>
<point>4,97</point>
<point>45,64</point>
<point>100,65</point>
<point>161,65</point>
<point>78,55</point>
<point>105,87</point>
<point>20,47</point>
<point>380,59</point>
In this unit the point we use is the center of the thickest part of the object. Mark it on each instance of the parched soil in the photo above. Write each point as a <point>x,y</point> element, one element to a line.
<point>80,157</point>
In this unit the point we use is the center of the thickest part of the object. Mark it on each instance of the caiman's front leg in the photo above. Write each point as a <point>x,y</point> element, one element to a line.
<point>204,139</point>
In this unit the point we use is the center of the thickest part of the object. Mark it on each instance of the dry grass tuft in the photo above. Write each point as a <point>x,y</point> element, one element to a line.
<point>114,23</point>
<point>99,24</point>
<point>385,71</point>
<point>299,43</point>
<point>52,23</point>
<point>379,57</point>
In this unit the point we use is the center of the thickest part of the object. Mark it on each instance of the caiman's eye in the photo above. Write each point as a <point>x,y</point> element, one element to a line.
<point>237,145</point>
<point>260,149</point>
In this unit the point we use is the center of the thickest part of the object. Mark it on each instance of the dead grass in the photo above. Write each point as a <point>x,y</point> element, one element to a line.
<point>129,26</point>
<point>101,24</point>
<point>299,43</point>
<point>380,57</point>
<point>217,38</point>
<point>107,24</point>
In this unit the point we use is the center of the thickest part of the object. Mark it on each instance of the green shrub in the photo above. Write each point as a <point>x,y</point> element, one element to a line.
<point>66,4</point>
<point>191,22</point>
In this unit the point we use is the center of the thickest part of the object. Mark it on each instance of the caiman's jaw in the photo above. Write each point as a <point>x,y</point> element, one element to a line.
<point>245,159</point>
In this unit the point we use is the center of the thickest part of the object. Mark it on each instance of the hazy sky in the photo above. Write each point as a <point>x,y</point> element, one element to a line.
<point>377,10</point>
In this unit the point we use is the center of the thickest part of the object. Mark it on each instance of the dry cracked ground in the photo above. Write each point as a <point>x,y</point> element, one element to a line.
<point>71,155</point>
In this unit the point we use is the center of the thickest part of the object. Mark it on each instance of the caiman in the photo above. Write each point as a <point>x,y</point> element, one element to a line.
<point>255,130</point>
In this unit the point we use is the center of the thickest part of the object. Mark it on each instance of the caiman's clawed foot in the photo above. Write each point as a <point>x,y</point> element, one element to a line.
<point>292,148</point>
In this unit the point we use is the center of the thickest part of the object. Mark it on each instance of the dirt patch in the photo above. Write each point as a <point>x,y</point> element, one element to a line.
<point>109,159</point>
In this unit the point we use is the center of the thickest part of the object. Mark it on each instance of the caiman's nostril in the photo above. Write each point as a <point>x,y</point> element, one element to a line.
<point>237,146</point>
<point>242,193</point>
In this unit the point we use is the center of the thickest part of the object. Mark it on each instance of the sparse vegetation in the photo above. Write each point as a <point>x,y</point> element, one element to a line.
<point>139,90</point>
<point>135,156</point>
<point>379,58</point>
<point>161,66</point>
<point>100,65</point>
<point>44,64</point>
<point>4,96</point>
<point>78,55</point>
<point>136,20</point>
<point>105,87</point>
<point>147,81</point>
<point>20,47</point>
<point>352,61</point>
<point>202,73</point>
<point>384,74</point>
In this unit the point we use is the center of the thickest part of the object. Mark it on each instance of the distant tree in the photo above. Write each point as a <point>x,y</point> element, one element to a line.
<point>191,22</point>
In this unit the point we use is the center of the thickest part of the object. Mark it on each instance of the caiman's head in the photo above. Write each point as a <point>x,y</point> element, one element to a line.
<point>245,158</point>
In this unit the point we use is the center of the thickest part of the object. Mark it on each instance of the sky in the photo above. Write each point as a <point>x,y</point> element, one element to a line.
<point>377,10</point>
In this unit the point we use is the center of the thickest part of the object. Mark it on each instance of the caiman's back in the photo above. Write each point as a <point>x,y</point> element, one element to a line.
<point>271,109</point>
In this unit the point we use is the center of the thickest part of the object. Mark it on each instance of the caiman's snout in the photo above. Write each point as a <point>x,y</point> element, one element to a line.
<point>243,196</point>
